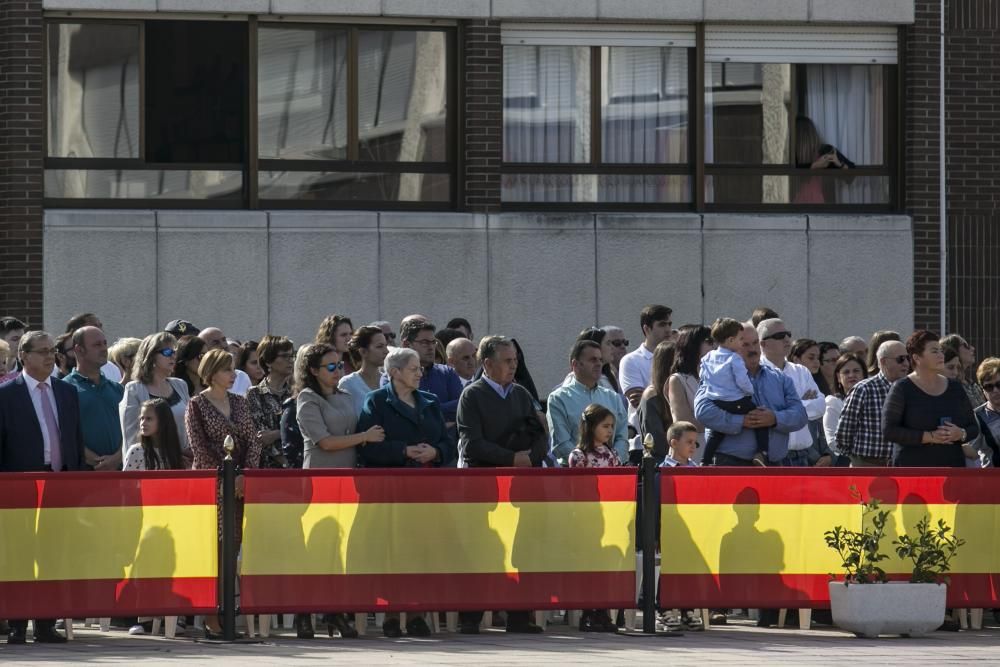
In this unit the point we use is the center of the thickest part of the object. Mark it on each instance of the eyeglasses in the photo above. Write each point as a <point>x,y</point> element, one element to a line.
<point>50,352</point>
<point>167,352</point>
<point>988,387</point>
<point>902,359</point>
<point>619,343</point>
<point>335,366</point>
<point>781,335</point>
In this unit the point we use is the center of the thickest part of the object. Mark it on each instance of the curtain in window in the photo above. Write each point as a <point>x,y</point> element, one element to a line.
<point>845,102</point>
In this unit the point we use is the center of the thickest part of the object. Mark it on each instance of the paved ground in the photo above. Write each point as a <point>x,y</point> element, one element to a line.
<point>740,642</point>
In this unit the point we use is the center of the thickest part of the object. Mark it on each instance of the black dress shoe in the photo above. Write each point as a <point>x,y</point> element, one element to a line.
<point>16,636</point>
<point>391,628</point>
<point>343,626</point>
<point>525,629</point>
<point>303,626</point>
<point>48,636</point>
<point>417,627</point>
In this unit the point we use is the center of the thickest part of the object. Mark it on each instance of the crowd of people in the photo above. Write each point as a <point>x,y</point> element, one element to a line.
<point>736,393</point>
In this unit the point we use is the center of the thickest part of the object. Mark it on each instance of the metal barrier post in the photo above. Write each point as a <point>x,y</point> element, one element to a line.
<point>649,514</point>
<point>229,542</point>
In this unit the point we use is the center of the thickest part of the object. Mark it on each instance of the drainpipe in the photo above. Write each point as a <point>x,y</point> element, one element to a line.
<point>943,254</point>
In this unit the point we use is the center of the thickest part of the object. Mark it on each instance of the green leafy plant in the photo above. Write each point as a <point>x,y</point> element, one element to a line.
<point>860,550</point>
<point>931,552</point>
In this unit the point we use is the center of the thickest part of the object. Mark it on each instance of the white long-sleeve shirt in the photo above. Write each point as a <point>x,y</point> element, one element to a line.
<point>815,407</point>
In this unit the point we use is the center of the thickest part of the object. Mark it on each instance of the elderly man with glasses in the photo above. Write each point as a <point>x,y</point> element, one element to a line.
<point>859,432</point>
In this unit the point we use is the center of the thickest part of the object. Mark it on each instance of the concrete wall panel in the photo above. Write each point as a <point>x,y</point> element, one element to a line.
<point>212,270</point>
<point>653,10</point>
<point>757,10</point>
<point>317,7</point>
<point>860,275</point>
<point>545,9</point>
<point>442,8</point>
<point>434,264</point>
<point>219,6</point>
<point>862,11</point>
<point>542,286</point>
<point>102,262</point>
<point>752,261</point>
<point>644,259</point>
<point>322,263</point>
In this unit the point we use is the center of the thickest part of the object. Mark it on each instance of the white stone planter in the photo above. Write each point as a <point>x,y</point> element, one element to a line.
<point>895,608</point>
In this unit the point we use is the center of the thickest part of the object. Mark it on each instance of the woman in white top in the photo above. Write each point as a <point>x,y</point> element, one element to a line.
<point>369,345</point>
<point>693,343</point>
<point>849,371</point>
<point>151,378</point>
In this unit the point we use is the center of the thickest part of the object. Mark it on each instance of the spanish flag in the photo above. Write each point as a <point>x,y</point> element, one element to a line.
<point>438,539</point>
<point>107,544</point>
<point>732,539</point>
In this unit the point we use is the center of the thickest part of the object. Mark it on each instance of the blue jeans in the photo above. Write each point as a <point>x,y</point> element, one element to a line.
<point>798,458</point>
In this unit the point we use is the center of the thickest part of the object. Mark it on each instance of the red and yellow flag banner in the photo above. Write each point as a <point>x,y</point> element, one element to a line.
<point>107,544</point>
<point>400,539</point>
<point>730,538</point>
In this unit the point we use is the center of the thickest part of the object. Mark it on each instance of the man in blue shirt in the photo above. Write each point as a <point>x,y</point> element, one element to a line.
<point>780,411</point>
<point>438,379</point>
<point>567,403</point>
<point>99,398</point>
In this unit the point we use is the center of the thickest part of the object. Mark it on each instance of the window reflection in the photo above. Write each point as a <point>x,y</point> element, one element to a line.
<point>597,188</point>
<point>350,186</point>
<point>143,184</point>
<point>93,90</point>
<point>808,189</point>
<point>746,113</point>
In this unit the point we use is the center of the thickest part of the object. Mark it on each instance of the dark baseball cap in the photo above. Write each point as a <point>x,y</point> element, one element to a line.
<point>181,328</point>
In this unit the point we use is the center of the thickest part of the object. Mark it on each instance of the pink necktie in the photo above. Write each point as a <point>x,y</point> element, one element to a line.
<point>55,453</point>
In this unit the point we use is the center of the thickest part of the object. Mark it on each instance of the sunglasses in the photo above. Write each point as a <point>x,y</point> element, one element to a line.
<point>620,343</point>
<point>988,387</point>
<point>781,335</point>
<point>335,366</point>
<point>167,352</point>
<point>902,359</point>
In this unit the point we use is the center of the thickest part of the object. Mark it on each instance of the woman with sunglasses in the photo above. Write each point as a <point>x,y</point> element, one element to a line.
<point>151,377</point>
<point>927,415</point>
<point>327,422</point>
<point>988,414</point>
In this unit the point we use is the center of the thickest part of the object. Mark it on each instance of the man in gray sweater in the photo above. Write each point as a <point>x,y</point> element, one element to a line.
<point>498,427</point>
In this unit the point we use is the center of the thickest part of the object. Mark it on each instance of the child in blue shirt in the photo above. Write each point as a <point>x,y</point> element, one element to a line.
<point>726,381</point>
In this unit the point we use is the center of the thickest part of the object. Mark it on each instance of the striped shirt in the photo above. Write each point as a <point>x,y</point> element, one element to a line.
<point>859,432</point>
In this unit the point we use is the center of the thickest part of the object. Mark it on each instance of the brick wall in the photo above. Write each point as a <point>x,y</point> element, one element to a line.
<point>972,113</point>
<point>21,127</point>
<point>482,121</point>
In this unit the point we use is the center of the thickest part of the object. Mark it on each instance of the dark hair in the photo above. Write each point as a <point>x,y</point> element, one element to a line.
<point>825,346</point>
<point>663,362</point>
<point>725,328</point>
<point>63,344</point>
<point>818,378</point>
<point>687,357</point>
<point>8,324</point>
<point>651,314</point>
<point>410,330</point>
<point>761,313</point>
<point>953,342</point>
<point>456,322</point>
<point>308,359</point>
<point>78,321</point>
<point>799,347</point>
<point>579,346</point>
<point>842,361</point>
<point>189,348</point>
<point>361,340</point>
<point>592,416</point>
<point>918,341</point>
<point>447,335</point>
<point>949,353</point>
<point>163,450</point>
<point>489,346</point>
<point>874,344</point>
<point>269,348</point>
<point>328,327</point>
<point>246,349</point>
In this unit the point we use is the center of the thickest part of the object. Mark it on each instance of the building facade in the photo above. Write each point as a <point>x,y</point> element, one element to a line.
<point>536,167</point>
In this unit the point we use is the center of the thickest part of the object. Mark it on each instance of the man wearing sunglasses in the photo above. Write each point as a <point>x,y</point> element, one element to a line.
<point>859,432</point>
<point>775,343</point>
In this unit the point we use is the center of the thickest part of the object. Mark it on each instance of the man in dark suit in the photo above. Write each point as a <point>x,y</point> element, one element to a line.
<point>39,431</point>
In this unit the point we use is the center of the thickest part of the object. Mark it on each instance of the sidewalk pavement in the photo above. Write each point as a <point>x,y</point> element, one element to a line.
<point>740,642</point>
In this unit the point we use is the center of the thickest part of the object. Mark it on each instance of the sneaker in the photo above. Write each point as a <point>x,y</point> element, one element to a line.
<point>417,627</point>
<point>670,620</point>
<point>137,629</point>
<point>690,621</point>
<point>760,460</point>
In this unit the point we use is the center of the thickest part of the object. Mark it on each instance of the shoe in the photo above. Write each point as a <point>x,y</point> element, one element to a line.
<point>417,627</point>
<point>691,622</point>
<point>48,636</point>
<point>525,629</point>
<point>605,622</point>
<point>949,625</point>
<point>587,623</point>
<point>303,626</point>
<point>340,623</point>
<point>4,628</point>
<point>137,629</point>
<point>717,618</point>
<point>759,460</point>
<point>390,628</point>
<point>469,628</point>
<point>767,618</point>
<point>16,636</point>
<point>670,620</point>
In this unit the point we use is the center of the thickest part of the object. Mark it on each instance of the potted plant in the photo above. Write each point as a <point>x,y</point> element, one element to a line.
<point>866,602</point>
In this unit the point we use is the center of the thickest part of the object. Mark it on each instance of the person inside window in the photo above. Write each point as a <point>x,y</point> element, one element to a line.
<point>811,152</point>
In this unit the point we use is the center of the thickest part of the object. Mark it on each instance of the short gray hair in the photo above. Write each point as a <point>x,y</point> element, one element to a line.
<point>851,340</point>
<point>764,328</point>
<point>27,342</point>
<point>883,349</point>
<point>489,346</point>
<point>399,358</point>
